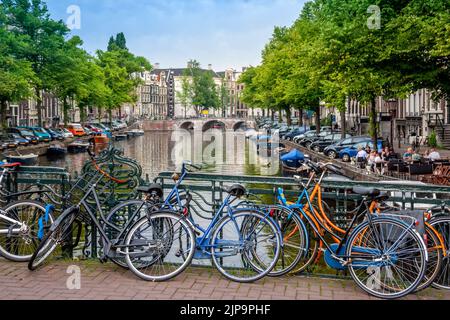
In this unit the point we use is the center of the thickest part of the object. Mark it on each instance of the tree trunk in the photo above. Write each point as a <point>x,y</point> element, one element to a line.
<point>110,115</point>
<point>39,106</point>
<point>280,115</point>
<point>82,114</point>
<point>3,108</point>
<point>65,111</point>
<point>272,115</point>
<point>318,119</point>
<point>343,123</point>
<point>373,123</point>
<point>99,115</point>
<point>300,117</point>
<point>288,117</point>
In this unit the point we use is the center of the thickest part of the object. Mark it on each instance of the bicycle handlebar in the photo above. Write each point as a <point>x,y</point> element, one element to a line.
<point>105,174</point>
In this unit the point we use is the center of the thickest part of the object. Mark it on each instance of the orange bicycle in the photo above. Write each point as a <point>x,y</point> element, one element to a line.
<point>322,222</point>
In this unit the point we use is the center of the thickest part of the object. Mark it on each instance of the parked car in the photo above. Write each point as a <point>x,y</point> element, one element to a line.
<point>351,152</point>
<point>76,129</point>
<point>93,128</point>
<point>19,139</point>
<point>8,142</point>
<point>120,124</point>
<point>320,144</point>
<point>294,133</point>
<point>307,141</point>
<point>64,132</point>
<point>40,133</point>
<point>55,135</point>
<point>27,134</point>
<point>87,131</point>
<point>111,126</point>
<point>333,150</point>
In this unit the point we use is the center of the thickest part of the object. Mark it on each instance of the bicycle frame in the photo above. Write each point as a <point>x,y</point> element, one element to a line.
<point>203,242</point>
<point>321,229</point>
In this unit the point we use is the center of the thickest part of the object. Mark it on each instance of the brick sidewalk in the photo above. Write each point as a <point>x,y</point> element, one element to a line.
<point>108,282</point>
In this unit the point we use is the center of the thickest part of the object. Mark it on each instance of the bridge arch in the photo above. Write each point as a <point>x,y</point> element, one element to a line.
<point>239,125</point>
<point>187,125</point>
<point>214,124</point>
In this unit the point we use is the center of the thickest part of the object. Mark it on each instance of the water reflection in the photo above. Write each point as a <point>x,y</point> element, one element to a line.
<point>165,151</point>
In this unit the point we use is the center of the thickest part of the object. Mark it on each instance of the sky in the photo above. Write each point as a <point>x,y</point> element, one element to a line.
<point>224,33</point>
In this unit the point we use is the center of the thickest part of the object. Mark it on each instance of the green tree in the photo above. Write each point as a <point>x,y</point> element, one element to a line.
<point>224,98</point>
<point>120,67</point>
<point>200,88</point>
<point>16,75</point>
<point>185,95</point>
<point>45,38</point>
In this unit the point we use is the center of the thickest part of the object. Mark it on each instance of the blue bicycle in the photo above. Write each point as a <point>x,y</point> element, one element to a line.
<point>244,244</point>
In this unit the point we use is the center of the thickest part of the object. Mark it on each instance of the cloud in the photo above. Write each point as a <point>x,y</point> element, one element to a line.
<point>225,33</point>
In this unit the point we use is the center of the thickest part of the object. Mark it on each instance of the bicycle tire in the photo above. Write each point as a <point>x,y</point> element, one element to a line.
<point>435,259</point>
<point>58,232</point>
<point>30,237</point>
<point>153,248</point>
<point>372,270</point>
<point>219,247</point>
<point>295,240</point>
<point>442,225</point>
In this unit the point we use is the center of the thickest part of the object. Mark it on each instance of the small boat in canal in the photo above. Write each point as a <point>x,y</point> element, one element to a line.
<point>121,137</point>
<point>26,160</point>
<point>135,132</point>
<point>292,160</point>
<point>78,146</point>
<point>56,151</point>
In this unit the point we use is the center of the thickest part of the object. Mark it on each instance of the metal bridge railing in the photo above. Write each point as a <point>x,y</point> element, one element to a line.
<point>338,192</point>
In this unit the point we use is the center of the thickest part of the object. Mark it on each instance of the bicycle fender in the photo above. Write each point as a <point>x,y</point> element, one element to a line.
<point>64,215</point>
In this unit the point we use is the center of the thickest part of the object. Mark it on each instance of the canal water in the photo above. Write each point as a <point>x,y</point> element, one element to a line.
<point>157,152</point>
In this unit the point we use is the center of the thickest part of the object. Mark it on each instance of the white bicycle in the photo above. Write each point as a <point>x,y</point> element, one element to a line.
<point>23,223</point>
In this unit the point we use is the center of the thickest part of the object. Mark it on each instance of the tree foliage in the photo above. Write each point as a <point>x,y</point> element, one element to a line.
<point>334,52</point>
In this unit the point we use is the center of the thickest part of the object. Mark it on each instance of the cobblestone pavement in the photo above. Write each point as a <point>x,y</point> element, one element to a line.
<point>108,282</point>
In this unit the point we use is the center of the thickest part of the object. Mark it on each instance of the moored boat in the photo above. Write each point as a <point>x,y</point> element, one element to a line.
<point>56,150</point>
<point>135,132</point>
<point>78,146</point>
<point>25,160</point>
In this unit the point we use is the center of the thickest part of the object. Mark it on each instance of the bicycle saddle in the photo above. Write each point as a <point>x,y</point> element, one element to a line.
<point>152,188</point>
<point>236,190</point>
<point>370,192</point>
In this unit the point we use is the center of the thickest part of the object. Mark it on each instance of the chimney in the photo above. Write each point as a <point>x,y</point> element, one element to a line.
<point>210,66</point>
<point>157,65</point>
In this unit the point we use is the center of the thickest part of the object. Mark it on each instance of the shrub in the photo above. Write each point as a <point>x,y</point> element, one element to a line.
<point>432,139</point>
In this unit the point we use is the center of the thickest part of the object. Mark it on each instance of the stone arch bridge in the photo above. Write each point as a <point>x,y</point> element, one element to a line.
<point>201,124</point>
<point>225,124</point>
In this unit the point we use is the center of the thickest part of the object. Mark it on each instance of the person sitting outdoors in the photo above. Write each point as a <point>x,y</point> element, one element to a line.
<point>416,157</point>
<point>372,160</point>
<point>433,155</point>
<point>362,154</point>
<point>408,155</point>
<point>388,155</point>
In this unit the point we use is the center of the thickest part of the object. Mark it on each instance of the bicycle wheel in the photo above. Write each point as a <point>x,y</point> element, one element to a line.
<point>160,246</point>
<point>122,216</point>
<point>388,258</point>
<point>435,258</point>
<point>19,246</point>
<point>312,253</point>
<point>59,232</point>
<point>442,226</point>
<point>246,246</point>
<point>295,241</point>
